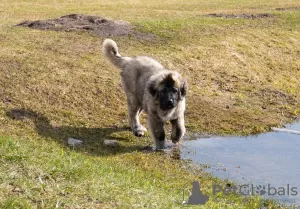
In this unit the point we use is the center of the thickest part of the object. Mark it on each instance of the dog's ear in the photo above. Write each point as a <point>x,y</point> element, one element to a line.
<point>183,89</point>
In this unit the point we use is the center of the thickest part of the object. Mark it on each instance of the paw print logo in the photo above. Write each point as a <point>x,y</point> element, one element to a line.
<point>260,190</point>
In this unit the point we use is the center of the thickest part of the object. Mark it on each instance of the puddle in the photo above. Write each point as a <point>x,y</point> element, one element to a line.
<point>269,159</point>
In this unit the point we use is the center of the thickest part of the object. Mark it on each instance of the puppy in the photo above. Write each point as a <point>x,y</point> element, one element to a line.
<point>151,88</point>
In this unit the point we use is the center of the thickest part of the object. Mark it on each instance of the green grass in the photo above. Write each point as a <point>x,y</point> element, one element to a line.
<point>243,78</point>
<point>45,174</point>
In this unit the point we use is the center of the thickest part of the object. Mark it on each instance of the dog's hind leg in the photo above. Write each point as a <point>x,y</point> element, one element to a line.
<point>134,111</point>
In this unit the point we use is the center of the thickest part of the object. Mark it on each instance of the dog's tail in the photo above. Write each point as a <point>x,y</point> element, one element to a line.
<point>111,52</point>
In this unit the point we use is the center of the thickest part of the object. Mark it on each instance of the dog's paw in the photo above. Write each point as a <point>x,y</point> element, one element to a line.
<point>176,141</point>
<point>160,145</point>
<point>139,130</point>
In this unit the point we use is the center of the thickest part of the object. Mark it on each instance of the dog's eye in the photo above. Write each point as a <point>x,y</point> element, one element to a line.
<point>164,90</point>
<point>174,90</point>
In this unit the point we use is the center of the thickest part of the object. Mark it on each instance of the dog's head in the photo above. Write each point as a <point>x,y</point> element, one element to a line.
<point>168,90</point>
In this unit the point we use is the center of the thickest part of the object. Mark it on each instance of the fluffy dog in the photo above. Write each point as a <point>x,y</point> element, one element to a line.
<point>151,88</point>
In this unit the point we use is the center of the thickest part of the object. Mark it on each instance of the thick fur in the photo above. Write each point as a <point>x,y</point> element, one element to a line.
<point>147,84</point>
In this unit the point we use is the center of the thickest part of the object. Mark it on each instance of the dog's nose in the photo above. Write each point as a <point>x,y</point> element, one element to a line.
<point>170,102</point>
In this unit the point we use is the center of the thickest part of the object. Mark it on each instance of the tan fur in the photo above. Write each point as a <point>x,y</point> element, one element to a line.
<point>138,75</point>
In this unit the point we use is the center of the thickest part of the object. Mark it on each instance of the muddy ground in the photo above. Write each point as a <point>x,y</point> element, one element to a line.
<point>105,27</point>
<point>99,26</point>
<point>287,8</point>
<point>243,16</point>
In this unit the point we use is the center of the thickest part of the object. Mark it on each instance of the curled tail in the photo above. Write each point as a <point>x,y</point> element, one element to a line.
<point>111,52</point>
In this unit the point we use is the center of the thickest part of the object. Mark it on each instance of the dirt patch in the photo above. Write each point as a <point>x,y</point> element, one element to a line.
<point>93,24</point>
<point>287,8</point>
<point>241,16</point>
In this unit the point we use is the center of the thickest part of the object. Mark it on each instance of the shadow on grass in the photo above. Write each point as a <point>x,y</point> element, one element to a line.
<point>92,138</point>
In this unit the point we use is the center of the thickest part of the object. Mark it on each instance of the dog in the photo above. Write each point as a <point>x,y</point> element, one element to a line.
<point>150,87</point>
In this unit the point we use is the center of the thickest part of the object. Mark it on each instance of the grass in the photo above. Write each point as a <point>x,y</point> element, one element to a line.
<point>56,85</point>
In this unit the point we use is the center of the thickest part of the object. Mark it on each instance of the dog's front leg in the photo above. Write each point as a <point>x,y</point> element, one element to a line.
<point>178,129</point>
<point>157,131</point>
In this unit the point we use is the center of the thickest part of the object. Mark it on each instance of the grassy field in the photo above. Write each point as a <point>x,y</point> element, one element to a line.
<point>243,78</point>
